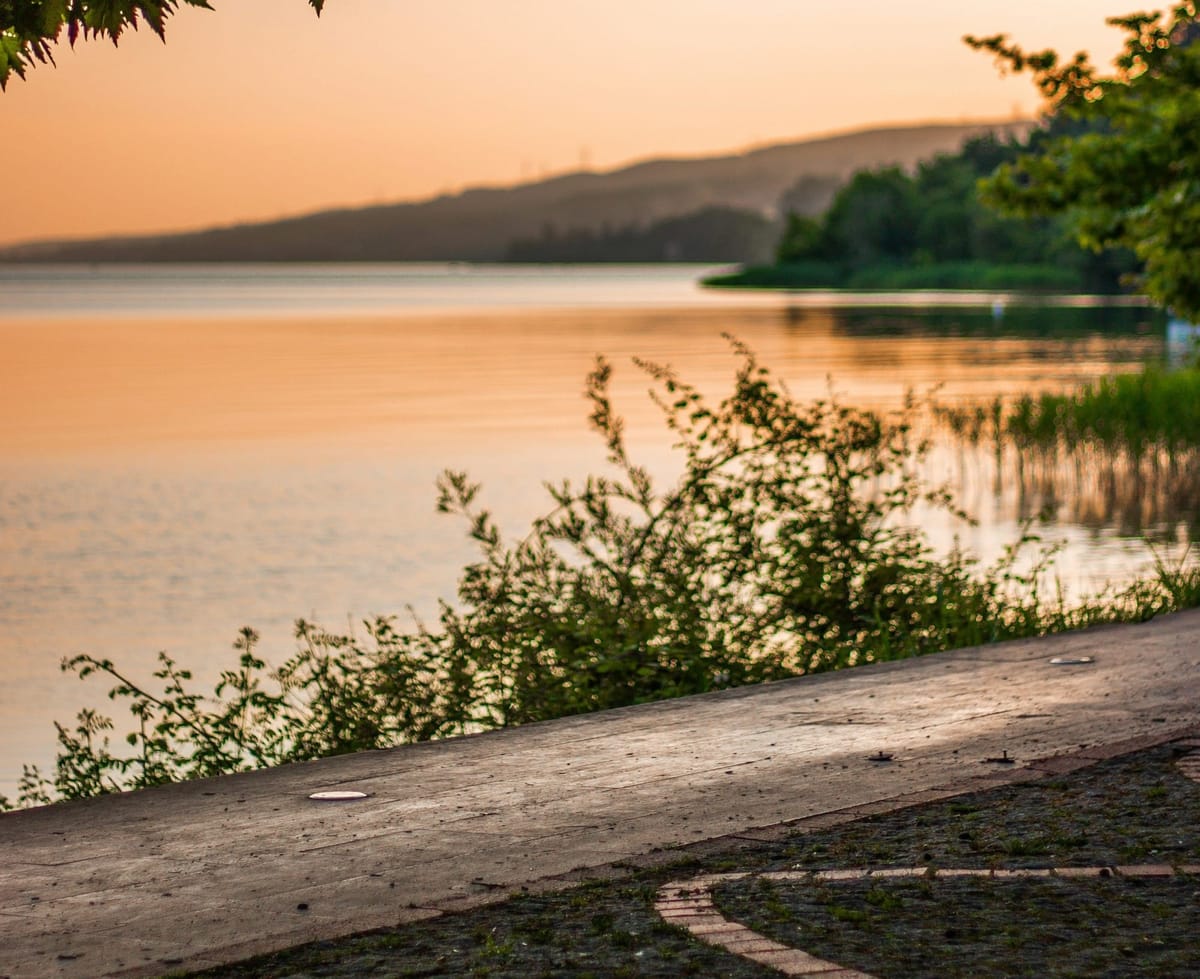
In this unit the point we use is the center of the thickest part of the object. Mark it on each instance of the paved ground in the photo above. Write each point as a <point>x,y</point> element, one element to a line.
<point>209,872</point>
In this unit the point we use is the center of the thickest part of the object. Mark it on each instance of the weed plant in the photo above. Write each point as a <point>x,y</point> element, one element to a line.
<point>785,547</point>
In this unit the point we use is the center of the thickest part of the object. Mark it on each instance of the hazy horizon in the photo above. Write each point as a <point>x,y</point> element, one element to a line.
<point>255,111</point>
<point>515,184</point>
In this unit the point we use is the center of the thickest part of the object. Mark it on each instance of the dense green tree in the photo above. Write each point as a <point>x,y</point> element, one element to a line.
<point>945,223</point>
<point>874,217</point>
<point>802,206</point>
<point>29,28</point>
<point>887,222</point>
<point>955,225</point>
<point>1121,163</point>
<point>803,240</point>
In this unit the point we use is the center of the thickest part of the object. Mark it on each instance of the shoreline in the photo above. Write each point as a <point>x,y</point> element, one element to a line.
<point>1031,280</point>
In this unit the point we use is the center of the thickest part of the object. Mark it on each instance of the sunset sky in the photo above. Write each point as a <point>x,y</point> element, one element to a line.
<point>258,109</point>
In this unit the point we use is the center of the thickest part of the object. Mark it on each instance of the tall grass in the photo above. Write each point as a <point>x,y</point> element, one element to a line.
<point>1123,449</point>
<point>1138,413</point>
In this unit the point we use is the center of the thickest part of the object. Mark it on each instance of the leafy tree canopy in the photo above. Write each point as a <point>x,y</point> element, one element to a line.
<point>889,219</point>
<point>28,28</point>
<point>1121,155</point>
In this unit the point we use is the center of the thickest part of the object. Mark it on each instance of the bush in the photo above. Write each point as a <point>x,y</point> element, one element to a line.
<point>781,550</point>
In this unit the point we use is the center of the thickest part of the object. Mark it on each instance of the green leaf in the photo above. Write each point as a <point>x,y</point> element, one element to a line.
<point>54,15</point>
<point>28,27</point>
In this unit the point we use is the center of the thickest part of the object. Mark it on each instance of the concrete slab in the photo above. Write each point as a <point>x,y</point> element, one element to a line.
<point>190,875</point>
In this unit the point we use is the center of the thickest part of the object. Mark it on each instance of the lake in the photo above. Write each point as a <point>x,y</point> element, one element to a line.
<point>187,450</point>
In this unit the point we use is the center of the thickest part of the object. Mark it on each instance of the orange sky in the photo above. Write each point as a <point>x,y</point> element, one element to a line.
<point>258,109</point>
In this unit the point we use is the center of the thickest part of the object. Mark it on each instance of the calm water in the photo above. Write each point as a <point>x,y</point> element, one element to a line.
<point>184,451</point>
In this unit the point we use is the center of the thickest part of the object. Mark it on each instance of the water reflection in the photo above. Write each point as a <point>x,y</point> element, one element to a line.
<point>1010,319</point>
<point>1153,495</point>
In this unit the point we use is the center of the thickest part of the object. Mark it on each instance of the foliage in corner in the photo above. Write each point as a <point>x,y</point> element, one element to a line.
<point>29,28</point>
<point>1120,158</point>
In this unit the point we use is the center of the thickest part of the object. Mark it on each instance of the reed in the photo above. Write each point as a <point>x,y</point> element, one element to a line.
<point>1139,413</point>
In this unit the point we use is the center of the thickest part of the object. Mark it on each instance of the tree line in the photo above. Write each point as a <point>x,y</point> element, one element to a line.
<point>711,234</point>
<point>888,219</point>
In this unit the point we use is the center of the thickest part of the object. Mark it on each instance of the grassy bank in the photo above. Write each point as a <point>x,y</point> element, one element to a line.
<point>973,276</point>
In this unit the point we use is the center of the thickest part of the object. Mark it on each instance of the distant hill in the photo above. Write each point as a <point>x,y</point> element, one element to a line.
<point>478,225</point>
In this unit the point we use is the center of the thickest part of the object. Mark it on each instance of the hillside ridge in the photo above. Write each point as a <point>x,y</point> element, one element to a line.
<point>479,223</point>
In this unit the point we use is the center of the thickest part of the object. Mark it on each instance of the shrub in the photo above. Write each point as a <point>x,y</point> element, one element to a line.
<point>783,548</point>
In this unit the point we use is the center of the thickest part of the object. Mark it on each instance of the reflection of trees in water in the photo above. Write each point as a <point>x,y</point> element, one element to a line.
<point>1032,321</point>
<point>1120,452</point>
<point>969,355</point>
<point>1153,494</point>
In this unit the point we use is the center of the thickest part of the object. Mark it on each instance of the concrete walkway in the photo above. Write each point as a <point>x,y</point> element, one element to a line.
<point>194,875</point>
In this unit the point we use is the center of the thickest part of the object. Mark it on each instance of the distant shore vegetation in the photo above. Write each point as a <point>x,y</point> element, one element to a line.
<point>889,229</point>
<point>709,235</point>
<point>889,276</point>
